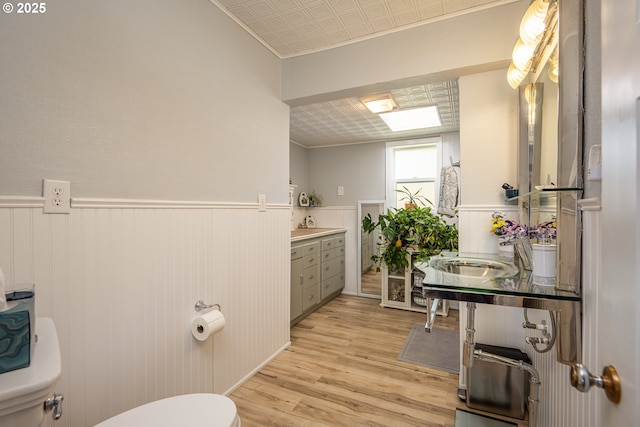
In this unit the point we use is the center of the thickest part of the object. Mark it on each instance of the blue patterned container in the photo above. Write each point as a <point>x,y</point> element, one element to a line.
<point>17,330</point>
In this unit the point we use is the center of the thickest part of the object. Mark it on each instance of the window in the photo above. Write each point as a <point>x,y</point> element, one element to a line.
<point>413,165</point>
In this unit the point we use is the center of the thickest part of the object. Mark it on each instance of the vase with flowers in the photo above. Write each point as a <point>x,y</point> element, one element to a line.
<point>506,230</point>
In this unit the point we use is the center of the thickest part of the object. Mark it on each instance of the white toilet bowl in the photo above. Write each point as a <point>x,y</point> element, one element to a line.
<point>202,409</point>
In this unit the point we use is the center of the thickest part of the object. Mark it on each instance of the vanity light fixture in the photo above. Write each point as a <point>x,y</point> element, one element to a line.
<point>415,118</point>
<point>538,39</point>
<point>380,103</point>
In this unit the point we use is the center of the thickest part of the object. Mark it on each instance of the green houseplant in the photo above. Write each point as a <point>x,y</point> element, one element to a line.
<point>414,229</point>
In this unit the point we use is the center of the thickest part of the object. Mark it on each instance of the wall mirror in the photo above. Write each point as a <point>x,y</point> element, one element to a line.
<point>369,281</point>
<point>562,200</point>
<point>550,137</point>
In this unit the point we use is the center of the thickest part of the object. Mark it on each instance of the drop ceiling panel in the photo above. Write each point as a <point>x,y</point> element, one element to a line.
<point>347,121</point>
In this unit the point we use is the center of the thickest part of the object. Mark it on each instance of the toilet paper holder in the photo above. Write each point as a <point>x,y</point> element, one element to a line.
<point>201,305</point>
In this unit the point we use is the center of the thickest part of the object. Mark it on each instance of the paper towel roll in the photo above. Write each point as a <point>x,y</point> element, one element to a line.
<point>208,324</point>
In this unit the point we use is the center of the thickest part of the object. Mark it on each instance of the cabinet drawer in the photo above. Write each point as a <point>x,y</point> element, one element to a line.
<point>311,248</point>
<point>332,284</point>
<point>310,296</point>
<point>332,243</point>
<point>332,267</point>
<point>310,260</point>
<point>296,252</point>
<point>332,253</point>
<point>310,275</point>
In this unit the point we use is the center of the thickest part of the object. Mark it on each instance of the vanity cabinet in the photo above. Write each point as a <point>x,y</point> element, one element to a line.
<point>332,270</point>
<point>317,271</point>
<point>305,289</point>
<point>398,291</point>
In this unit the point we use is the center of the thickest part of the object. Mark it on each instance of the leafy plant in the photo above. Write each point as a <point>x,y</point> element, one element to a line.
<point>315,199</point>
<point>414,228</point>
<point>412,199</point>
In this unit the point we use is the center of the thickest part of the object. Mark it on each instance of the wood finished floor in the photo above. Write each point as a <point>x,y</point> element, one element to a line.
<point>371,282</point>
<point>341,370</point>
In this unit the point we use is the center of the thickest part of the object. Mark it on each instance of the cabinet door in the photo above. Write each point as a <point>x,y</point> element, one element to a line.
<point>296,288</point>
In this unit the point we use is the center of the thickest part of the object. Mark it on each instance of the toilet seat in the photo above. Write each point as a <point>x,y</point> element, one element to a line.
<point>201,409</point>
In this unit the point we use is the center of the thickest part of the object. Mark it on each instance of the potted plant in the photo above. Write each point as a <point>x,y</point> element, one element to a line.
<point>414,229</point>
<point>315,199</point>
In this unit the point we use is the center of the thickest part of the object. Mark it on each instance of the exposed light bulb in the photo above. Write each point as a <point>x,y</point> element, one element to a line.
<point>515,76</point>
<point>522,55</point>
<point>533,22</point>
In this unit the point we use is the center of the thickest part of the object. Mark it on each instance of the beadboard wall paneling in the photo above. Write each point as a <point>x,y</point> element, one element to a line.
<point>121,283</point>
<point>474,223</point>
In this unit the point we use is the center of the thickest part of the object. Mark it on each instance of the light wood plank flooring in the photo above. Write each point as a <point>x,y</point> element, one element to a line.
<point>371,282</point>
<point>341,370</point>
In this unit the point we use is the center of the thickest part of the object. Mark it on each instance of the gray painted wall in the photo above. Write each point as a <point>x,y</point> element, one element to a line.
<point>146,99</point>
<point>299,168</point>
<point>360,169</point>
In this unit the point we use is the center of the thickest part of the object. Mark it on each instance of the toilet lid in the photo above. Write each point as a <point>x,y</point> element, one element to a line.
<point>203,409</point>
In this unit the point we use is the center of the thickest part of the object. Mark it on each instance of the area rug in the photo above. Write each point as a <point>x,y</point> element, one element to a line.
<point>439,349</point>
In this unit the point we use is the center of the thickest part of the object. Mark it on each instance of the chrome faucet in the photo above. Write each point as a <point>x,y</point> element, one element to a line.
<point>522,247</point>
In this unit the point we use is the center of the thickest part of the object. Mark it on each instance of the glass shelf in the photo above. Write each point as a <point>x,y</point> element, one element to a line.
<point>548,192</point>
<point>517,291</point>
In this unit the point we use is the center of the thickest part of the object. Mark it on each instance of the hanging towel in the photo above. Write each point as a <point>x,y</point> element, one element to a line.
<point>448,191</point>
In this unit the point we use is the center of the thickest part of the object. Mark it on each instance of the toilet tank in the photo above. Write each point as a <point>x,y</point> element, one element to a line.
<point>23,392</point>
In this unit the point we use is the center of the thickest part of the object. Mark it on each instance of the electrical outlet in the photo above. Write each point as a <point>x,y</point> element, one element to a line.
<point>57,196</point>
<point>262,202</point>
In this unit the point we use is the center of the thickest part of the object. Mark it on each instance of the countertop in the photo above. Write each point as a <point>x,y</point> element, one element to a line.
<point>513,291</point>
<point>309,233</point>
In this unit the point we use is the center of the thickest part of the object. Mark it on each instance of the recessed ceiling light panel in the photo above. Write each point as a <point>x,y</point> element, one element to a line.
<point>416,118</point>
<point>379,103</point>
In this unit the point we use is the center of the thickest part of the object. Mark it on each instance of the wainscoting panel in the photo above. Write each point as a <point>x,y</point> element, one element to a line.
<point>121,283</point>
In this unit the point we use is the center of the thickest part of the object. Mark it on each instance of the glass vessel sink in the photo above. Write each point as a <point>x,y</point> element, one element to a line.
<point>474,267</point>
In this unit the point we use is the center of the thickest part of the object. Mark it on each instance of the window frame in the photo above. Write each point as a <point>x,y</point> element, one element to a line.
<point>390,179</point>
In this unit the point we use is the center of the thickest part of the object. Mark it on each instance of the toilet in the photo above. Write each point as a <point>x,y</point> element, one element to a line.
<point>27,396</point>
<point>24,393</point>
<point>201,409</point>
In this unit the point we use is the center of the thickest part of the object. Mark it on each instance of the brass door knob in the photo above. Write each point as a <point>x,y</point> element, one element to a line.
<point>582,380</point>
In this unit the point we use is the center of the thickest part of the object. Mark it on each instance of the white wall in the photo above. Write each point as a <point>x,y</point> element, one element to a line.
<point>120,283</point>
<point>488,136</point>
<point>154,99</point>
<point>466,44</point>
<point>146,100</point>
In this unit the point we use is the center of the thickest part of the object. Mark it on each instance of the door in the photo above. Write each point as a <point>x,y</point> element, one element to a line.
<point>618,293</point>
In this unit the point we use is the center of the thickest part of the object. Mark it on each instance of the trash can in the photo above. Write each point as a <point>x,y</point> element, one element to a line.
<point>498,388</point>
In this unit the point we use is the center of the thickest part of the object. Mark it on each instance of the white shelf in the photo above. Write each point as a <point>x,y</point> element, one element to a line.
<point>397,292</point>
